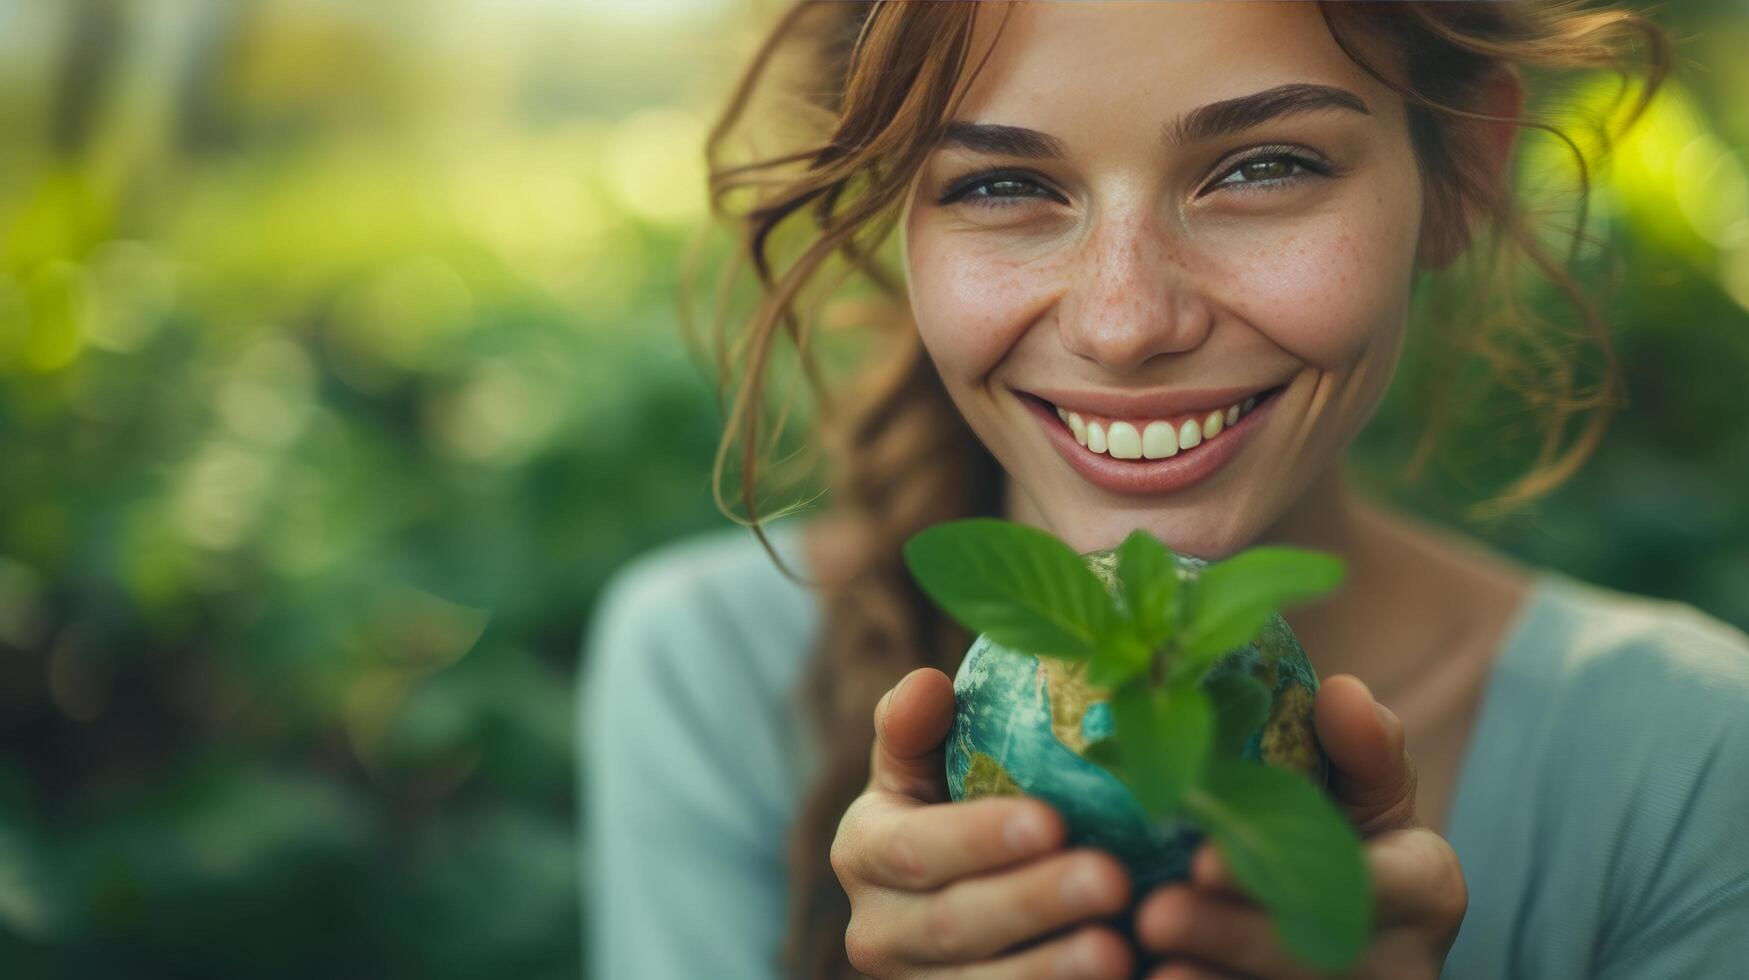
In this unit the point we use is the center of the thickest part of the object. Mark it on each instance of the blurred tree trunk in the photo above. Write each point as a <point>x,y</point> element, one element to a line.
<point>88,68</point>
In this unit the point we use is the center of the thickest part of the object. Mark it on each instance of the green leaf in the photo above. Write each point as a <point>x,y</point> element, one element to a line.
<point>1293,852</point>
<point>1105,754</point>
<point>1163,739</point>
<point>1231,600</point>
<point>1018,584</point>
<point>1241,705</point>
<point>1150,585</point>
<point>1117,658</point>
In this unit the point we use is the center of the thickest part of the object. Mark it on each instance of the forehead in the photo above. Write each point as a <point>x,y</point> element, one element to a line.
<point>1072,62</point>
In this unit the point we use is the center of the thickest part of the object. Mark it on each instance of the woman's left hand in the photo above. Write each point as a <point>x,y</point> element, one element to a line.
<point>1207,928</point>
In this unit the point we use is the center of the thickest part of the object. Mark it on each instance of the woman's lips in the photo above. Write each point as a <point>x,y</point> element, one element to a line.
<point>1151,476</point>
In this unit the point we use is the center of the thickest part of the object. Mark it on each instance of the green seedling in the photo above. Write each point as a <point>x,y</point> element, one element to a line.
<point>1176,741</point>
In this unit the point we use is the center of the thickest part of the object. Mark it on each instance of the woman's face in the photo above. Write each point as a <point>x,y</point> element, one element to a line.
<point>1145,212</point>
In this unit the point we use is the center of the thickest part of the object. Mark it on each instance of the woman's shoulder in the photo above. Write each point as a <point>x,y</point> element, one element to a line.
<point>1618,648</point>
<point>715,590</point>
<point>1598,815</point>
<point>689,663</point>
<point>1618,684</point>
<point>721,581</point>
<point>1625,713</point>
<point>712,559</point>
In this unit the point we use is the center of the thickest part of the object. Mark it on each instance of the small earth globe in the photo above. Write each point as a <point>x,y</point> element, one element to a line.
<point>1021,723</point>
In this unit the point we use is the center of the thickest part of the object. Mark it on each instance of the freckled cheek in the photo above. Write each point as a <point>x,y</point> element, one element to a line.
<point>972,307</point>
<point>1322,298</point>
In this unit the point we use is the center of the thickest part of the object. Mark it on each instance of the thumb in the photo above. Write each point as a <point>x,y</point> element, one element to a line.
<point>911,724</point>
<point>1372,774</point>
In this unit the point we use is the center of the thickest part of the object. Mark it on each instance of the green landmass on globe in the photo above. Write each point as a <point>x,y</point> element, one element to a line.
<point>1022,723</point>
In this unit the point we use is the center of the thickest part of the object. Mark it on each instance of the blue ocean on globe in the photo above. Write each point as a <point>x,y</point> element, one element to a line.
<point>1021,723</point>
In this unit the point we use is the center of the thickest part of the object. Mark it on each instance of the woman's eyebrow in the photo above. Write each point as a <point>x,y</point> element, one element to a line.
<point>1207,122</point>
<point>1004,141</point>
<point>1234,115</point>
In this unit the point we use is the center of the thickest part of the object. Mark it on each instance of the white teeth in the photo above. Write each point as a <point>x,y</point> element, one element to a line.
<point>1159,440</point>
<point>1123,441</point>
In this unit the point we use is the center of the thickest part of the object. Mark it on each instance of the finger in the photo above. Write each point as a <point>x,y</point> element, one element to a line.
<point>1401,952</point>
<point>1416,877</point>
<point>911,724</point>
<point>1088,953</point>
<point>1233,937</point>
<point>1209,871</point>
<point>920,848</point>
<point>1372,773</point>
<point>1417,880</point>
<point>978,917</point>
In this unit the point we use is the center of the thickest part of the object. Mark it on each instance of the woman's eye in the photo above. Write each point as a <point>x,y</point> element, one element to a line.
<point>1255,174</point>
<point>1277,168</point>
<point>994,190</point>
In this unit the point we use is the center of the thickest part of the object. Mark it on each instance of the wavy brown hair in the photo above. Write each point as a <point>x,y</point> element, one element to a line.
<point>858,94</point>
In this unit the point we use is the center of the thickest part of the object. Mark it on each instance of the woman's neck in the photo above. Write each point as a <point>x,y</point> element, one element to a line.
<point>1417,600</point>
<point>1337,631</point>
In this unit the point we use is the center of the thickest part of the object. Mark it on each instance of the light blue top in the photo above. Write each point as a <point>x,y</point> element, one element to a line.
<point>1601,815</point>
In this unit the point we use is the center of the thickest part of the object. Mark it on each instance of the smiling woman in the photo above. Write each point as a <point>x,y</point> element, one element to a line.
<point>1155,267</point>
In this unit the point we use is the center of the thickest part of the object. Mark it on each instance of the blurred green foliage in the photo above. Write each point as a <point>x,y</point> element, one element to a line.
<point>338,369</point>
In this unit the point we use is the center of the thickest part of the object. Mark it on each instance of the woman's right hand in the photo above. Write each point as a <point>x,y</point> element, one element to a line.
<point>976,889</point>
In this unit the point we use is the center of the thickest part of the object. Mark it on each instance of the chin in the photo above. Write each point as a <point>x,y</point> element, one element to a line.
<point>1087,528</point>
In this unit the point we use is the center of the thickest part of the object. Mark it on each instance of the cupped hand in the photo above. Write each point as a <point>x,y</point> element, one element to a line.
<point>1208,928</point>
<point>976,889</point>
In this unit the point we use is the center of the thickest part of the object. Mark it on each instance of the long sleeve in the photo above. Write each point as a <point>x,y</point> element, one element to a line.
<point>687,765</point>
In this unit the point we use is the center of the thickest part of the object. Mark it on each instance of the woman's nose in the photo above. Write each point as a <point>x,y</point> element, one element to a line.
<point>1130,297</point>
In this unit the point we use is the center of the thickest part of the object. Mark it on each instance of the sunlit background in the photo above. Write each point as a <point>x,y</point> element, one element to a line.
<point>339,367</point>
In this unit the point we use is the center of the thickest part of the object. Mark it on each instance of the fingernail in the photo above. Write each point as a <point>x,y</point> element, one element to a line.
<point>1025,832</point>
<point>900,686</point>
<point>1208,863</point>
<point>1386,717</point>
<point>1081,886</point>
<point>1081,959</point>
<point>886,701</point>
